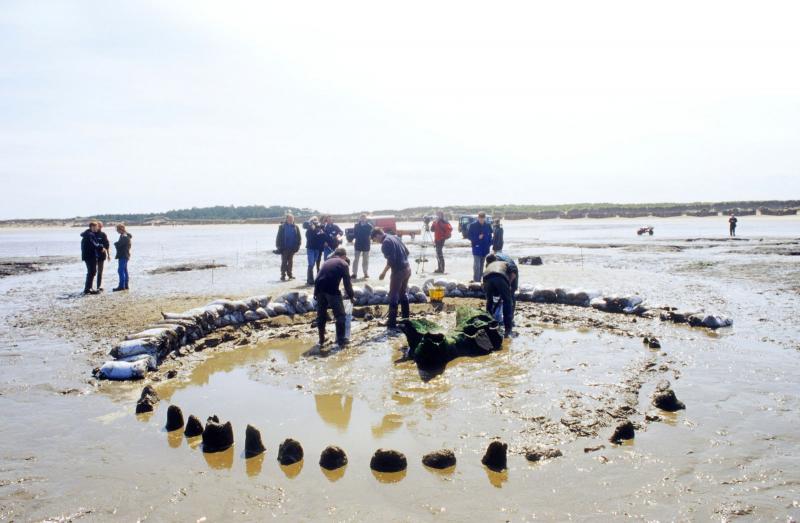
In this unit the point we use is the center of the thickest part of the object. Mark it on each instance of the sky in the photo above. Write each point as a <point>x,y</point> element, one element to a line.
<point>146,106</point>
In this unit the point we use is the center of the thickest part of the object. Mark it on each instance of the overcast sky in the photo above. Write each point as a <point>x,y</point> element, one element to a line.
<point>138,106</point>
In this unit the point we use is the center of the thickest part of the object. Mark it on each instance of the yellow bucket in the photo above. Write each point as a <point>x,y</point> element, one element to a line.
<point>436,293</point>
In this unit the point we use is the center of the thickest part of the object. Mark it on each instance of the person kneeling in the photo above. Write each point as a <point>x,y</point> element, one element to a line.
<point>498,279</point>
<point>326,291</point>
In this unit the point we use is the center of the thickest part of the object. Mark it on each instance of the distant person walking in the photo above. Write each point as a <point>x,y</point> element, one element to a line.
<point>288,243</point>
<point>91,250</point>
<point>480,235</point>
<point>123,248</point>
<point>497,280</point>
<point>732,221</point>
<point>334,271</point>
<point>361,232</point>
<point>497,236</point>
<point>442,230</point>
<point>396,255</point>
<point>102,238</point>
<point>334,234</point>
<point>315,242</point>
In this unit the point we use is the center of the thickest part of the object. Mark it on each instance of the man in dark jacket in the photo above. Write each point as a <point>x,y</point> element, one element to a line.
<point>480,235</point>
<point>732,221</point>
<point>104,255</point>
<point>497,236</point>
<point>497,280</point>
<point>90,250</point>
<point>442,230</point>
<point>361,231</point>
<point>288,243</point>
<point>396,255</point>
<point>334,271</point>
<point>315,242</point>
<point>334,234</point>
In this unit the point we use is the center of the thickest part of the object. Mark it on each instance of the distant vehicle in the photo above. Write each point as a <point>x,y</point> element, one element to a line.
<point>466,220</point>
<point>645,230</point>
<point>387,223</point>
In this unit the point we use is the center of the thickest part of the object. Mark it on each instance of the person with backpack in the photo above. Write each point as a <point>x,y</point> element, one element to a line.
<point>361,231</point>
<point>287,242</point>
<point>442,230</point>
<point>123,247</point>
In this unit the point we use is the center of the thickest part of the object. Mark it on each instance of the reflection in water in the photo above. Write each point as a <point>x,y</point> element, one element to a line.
<point>443,473</point>
<point>175,438</point>
<point>194,442</point>
<point>144,417</point>
<point>334,475</point>
<point>389,477</point>
<point>389,423</point>
<point>253,465</point>
<point>219,460</point>
<point>670,418</point>
<point>291,471</point>
<point>334,409</point>
<point>496,478</point>
<point>228,361</point>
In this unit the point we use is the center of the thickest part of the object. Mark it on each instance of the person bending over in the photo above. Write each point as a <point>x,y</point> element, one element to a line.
<point>396,255</point>
<point>334,271</point>
<point>497,280</point>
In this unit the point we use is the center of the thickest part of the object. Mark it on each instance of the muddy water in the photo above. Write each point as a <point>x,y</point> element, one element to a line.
<point>71,449</point>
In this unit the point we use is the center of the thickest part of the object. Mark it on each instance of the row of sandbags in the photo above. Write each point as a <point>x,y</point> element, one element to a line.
<point>369,295</point>
<point>142,352</point>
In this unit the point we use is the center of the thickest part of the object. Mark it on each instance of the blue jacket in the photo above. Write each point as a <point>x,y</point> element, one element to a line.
<point>480,247</point>
<point>361,233</point>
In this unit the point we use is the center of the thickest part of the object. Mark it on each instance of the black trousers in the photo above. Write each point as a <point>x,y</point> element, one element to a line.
<point>100,263</point>
<point>439,244</point>
<point>287,262</point>
<point>335,303</point>
<point>499,286</point>
<point>91,271</point>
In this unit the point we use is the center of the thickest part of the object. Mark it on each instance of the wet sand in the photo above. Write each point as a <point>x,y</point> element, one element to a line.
<point>74,447</point>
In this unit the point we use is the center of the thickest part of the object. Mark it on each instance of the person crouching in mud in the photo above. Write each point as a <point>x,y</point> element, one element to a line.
<point>326,291</point>
<point>396,255</point>
<point>497,281</point>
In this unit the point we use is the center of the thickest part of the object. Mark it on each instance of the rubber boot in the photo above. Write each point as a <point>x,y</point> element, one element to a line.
<point>310,276</point>
<point>321,331</point>
<point>340,339</point>
<point>404,309</point>
<point>391,322</point>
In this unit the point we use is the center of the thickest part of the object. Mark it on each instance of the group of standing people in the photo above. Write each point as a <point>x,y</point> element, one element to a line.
<point>96,249</point>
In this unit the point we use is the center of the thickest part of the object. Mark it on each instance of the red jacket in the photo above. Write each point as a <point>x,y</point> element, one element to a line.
<point>441,230</point>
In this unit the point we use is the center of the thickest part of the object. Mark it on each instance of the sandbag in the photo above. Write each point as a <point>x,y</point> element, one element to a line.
<point>149,360</point>
<point>123,370</point>
<point>135,347</point>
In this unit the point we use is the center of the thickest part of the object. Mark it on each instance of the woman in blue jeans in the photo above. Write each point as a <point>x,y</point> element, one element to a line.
<point>315,242</point>
<point>123,246</point>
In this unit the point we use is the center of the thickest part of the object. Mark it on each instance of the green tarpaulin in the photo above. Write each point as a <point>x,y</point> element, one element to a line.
<point>476,333</point>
